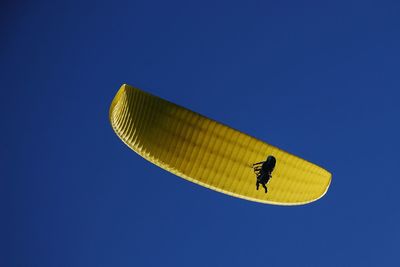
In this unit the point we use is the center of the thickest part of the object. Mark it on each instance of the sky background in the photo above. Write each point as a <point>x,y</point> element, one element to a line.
<point>319,79</point>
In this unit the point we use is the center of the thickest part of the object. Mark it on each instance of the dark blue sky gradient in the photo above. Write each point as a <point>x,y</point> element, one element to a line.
<point>319,79</point>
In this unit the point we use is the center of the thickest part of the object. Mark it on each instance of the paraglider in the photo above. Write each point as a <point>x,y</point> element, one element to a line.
<point>211,154</point>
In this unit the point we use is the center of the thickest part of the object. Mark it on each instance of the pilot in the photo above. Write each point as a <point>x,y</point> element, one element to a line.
<point>266,172</point>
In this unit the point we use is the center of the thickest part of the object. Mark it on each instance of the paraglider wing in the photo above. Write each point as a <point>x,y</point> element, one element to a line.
<point>209,153</point>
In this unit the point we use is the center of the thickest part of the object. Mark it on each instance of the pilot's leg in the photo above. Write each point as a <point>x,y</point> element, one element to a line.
<point>257,185</point>
<point>266,190</point>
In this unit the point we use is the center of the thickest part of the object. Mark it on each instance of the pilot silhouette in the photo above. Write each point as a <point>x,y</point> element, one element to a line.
<point>265,173</point>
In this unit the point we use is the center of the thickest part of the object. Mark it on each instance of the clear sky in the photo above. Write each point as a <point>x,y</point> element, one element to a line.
<point>319,79</point>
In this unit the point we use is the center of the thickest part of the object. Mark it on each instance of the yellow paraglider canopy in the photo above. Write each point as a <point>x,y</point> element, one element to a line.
<point>211,154</point>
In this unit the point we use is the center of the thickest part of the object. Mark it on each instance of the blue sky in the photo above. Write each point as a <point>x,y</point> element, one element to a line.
<point>319,79</point>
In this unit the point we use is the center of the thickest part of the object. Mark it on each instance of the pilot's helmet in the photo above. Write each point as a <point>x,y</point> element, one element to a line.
<point>270,157</point>
<point>270,162</point>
